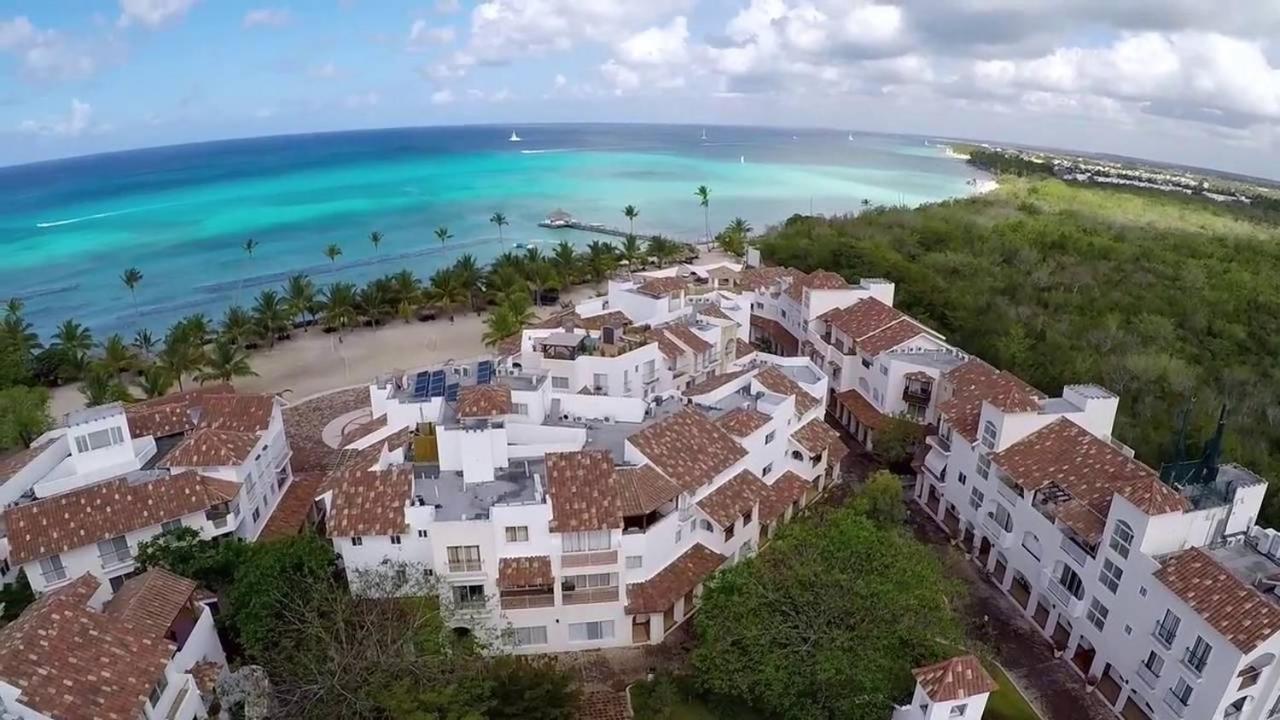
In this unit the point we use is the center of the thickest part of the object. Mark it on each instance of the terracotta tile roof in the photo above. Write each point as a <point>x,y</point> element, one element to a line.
<point>954,679</point>
<point>1088,468</point>
<point>1153,497</point>
<point>604,705</point>
<point>778,382</point>
<point>1082,519</point>
<point>734,497</point>
<point>666,586</point>
<point>917,375</point>
<point>108,509</point>
<point>160,421</point>
<point>69,661</point>
<point>594,323</point>
<point>482,401</point>
<point>741,422</point>
<point>237,413</point>
<point>890,337</point>
<point>819,280</point>
<point>777,333</point>
<point>670,348</point>
<point>524,572</point>
<point>742,348</point>
<point>369,502</point>
<point>785,490</point>
<point>643,489</point>
<point>816,436</point>
<point>11,464</point>
<point>688,338</point>
<point>974,382</point>
<point>291,513</point>
<point>714,311</point>
<point>582,492</point>
<point>715,382</point>
<point>662,286</point>
<point>367,457</point>
<point>862,409</point>
<point>862,318</point>
<point>669,444</point>
<point>212,448</point>
<point>765,277</point>
<point>1243,616</point>
<point>151,601</point>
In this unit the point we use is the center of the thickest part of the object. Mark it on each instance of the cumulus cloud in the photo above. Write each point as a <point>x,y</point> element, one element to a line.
<point>44,54</point>
<point>152,13</point>
<point>442,97</point>
<point>422,35</point>
<point>266,17</point>
<point>448,7</point>
<point>78,121</point>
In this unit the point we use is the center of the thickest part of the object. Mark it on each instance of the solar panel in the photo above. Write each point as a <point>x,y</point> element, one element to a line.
<point>435,387</point>
<point>484,372</point>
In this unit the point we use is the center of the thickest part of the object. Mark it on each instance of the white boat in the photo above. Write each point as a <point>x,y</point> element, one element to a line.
<point>742,159</point>
<point>704,134</point>
<point>514,137</point>
<point>851,136</point>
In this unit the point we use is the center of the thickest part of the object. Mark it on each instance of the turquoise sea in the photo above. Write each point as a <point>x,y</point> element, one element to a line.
<point>180,214</point>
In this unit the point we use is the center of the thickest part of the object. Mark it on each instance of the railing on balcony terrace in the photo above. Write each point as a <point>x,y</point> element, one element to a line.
<point>584,559</point>
<point>1008,492</point>
<point>116,557</point>
<point>918,396</point>
<point>590,595</point>
<point>1074,551</point>
<point>1147,676</point>
<point>939,442</point>
<point>993,528</point>
<point>1175,703</point>
<point>466,566</point>
<point>525,600</point>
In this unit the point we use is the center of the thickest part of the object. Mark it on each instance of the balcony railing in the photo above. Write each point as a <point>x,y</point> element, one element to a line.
<point>1002,537</point>
<point>1072,605</point>
<point>939,477</point>
<point>1074,551</point>
<point>916,396</point>
<point>590,595</point>
<point>1164,634</point>
<point>1194,663</point>
<point>1175,704</point>
<point>466,566</point>
<point>1147,676</point>
<point>584,559</point>
<point>1008,493</point>
<point>116,557</point>
<point>526,602</point>
<point>939,442</point>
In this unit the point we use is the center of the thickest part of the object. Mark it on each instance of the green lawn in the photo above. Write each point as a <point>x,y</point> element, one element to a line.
<point>1006,703</point>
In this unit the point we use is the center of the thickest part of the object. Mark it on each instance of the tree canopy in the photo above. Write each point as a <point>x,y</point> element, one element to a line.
<point>826,622</point>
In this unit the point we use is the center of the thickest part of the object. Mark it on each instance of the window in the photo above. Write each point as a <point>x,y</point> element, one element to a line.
<point>586,541</point>
<point>767,469</point>
<point>1110,575</point>
<point>962,478</point>
<point>257,513</point>
<point>1198,655</point>
<point>1031,544</point>
<point>517,533</point>
<point>769,437</point>
<point>52,569</point>
<point>706,525</point>
<point>99,439</point>
<point>975,499</point>
<point>468,595</point>
<point>559,383</point>
<point>526,636</point>
<point>1121,538</point>
<point>728,533</point>
<point>589,581</point>
<point>989,435</point>
<point>1167,630</point>
<point>463,558</point>
<point>1181,691</point>
<point>519,408</point>
<point>746,518</point>
<point>588,631</point>
<point>599,381</point>
<point>957,711</point>
<point>884,370</point>
<point>422,533</point>
<point>875,395</point>
<point>984,466</point>
<point>356,541</point>
<point>168,525</point>
<point>635,562</point>
<point>157,690</point>
<point>1154,663</point>
<point>1068,579</point>
<point>1097,614</point>
<point>402,576</point>
<point>679,534</point>
<point>395,539</point>
<point>114,551</point>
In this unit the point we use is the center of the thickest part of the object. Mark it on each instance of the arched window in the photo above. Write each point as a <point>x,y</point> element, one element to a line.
<point>1121,538</point>
<point>1236,709</point>
<point>1031,544</point>
<point>1070,580</point>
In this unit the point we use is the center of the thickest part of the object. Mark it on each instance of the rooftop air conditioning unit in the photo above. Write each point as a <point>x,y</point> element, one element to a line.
<point>1257,536</point>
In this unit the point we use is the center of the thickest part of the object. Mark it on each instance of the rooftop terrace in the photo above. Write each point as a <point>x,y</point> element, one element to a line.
<point>522,483</point>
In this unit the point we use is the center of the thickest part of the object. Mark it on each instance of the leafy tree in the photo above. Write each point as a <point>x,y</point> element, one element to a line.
<point>260,587</point>
<point>333,251</point>
<point>443,235</point>
<point>101,386</point>
<point>406,293</point>
<point>24,415</point>
<point>132,278</point>
<point>632,252</point>
<point>507,319</point>
<point>271,316</point>
<point>237,326</point>
<point>224,363</point>
<point>155,381</point>
<point>339,303</point>
<point>880,500</point>
<point>15,597</point>
<point>703,193</point>
<point>447,291</point>
<point>631,213</point>
<point>182,354</point>
<point>827,623</point>
<point>500,220</point>
<point>212,563</point>
<point>375,301</point>
<point>601,259</point>
<point>530,689</point>
<point>16,333</point>
<point>300,297</point>
<point>565,260</point>
<point>468,274</point>
<point>117,358</point>
<point>375,238</point>
<point>72,343</point>
<point>896,440</point>
<point>145,343</point>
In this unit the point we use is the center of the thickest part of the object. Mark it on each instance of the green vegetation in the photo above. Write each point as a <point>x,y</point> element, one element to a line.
<point>1161,297</point>
<point>1006,703</point>
<point>1007,164</point>
<point>827,622</point>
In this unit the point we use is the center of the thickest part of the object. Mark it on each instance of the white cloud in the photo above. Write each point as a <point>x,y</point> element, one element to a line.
<point>324,71</point>
<point>622,78</point>
<point>266,17</point>
<point>442,97</point>
<point>560,80</point>
<point>362,100</point>
<point>447,7</point>
<point>422,35</point>
<point>657,45</point>
<point>152,13</point>
<point>263,113</point>
<point>16,33</point>
<point>44,54</point>
<point>76,123</point>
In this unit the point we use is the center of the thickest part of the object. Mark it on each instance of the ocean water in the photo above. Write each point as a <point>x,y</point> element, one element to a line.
<point>69,228</point>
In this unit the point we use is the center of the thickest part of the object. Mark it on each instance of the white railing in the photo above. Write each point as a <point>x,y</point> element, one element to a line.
<point>1074,551</point>
<point>1148,677</point>
<point>937,441</point>
<point>1008,493</point>
<point>1002,537</point>
<point>1175,704</point>
<point>1070,604</point>
<point>116,557</point>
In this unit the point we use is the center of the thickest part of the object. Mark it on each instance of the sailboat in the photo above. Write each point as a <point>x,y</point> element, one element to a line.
<point>704,135</point>
<point>514,137</point>
<point>742,159</point>
<point>850,136</point>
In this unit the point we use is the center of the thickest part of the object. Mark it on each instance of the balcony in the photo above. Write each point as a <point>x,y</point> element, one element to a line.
<point>586,559</point>
<point>917,395</point>
<point>1009,493</point>
<point>1175,704</point>
<point>466,566</point>
<point>942,444</point>
<point>116,558</point>
<point>1071,605</point>
<point>1074,551</point>
<point>938,476</point>
<point>649,379</point>
<point>527,601</point>
<point>589,596</point>
<point>1164,634</point>
<point>1147,676</point>
<point>998,534</point>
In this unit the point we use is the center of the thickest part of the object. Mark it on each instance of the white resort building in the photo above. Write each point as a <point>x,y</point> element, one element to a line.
<point>84,495</point>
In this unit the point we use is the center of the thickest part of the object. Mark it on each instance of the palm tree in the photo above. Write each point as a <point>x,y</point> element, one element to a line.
<point>155,381</point>
<point>507,319</point>
<point>333,251</point>
<point>144,343</point>
<point>374,301</point>
<point>237,326</point>
<point>663,248</point>
<point>631,213</point>
<point>226,362</point>
<point>249,246</point>
<point>182,354</point>
<point>703,193</point>
<point>101,387</point>
<point>505,281</point>
<point>131,278</point>
<point>270,316</point>
<point>469,277</point>
<point>375,237</point>
<point>16,332</point>
<point>300,297</point>
<point>442,234</point>
<point>116,358</point>
<point>72,341</point>
<point>632,252</point>
<point>339,303</point>
<point>602,258</point>
<point>446,290</point>
<point>499,219</point>
<point>196,328</point>
<point>406,293</point>
<point>739,227</point>
<point>565,260</point>
<point>733,239</point>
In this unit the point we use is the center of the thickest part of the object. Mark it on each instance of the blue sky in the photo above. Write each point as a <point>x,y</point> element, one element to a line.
<point>1177,80</point>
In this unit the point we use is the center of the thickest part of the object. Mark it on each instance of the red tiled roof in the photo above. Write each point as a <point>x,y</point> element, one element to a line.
<point>528,571</point>
<point>741,422</point>
<point>862,318</point>
<point>662,286</point>
<point>954,679</point>
<point>483,401</point>
<point>683,335</point>
<point>160,421</point>
<point>643,489</point>
<point>237,413</point>
<point>670,348</point>
<point>1243,616</point>
<point>713,311</point>
<point>369,502</point>
<point>890,337</point>
<point>974,382</point>
<point>815,436</point>
<point>862,409</point>
<point>11,464</point>
<point>69,661</point>
<point>291,513</point>
<point>819,280</point>
<point>785,490</point>
<point>735,496</point>
<point>765,277</point>
<point>669,445</point>
<point>190,398</point>
<point>107,509</point>
<point>582,492</point>
<point>595,323</point>
<point>212,448</point>
<point>778,382</point>
<point>742,348</point>
<point>151,601</point>
<point>604,705</point>
<point>777,333</point>
<point>666,586</point>
<point>715,382</point>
